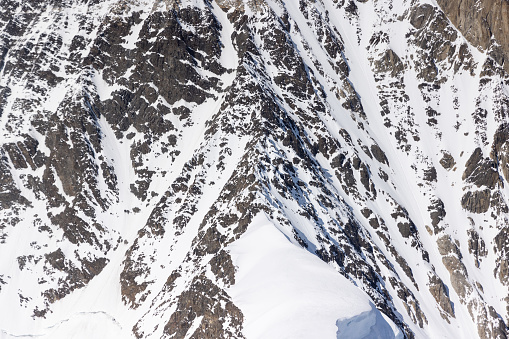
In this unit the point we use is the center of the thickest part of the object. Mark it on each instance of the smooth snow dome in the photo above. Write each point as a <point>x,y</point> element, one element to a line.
<point>286,292</point>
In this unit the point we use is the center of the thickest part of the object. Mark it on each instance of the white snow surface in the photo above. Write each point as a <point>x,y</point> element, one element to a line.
<point>286,292</point>
<point>282,289</point>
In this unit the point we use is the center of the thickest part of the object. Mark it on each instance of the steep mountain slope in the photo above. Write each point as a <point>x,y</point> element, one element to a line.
<point>177,169</point>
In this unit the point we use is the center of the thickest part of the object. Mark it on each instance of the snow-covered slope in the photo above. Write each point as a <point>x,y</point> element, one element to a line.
<point>257,169</point>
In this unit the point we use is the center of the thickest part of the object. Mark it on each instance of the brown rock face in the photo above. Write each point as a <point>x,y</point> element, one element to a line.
<point>204,299</point>
<point>447,161</point>
<point>476,201</point>
<point>440,292</point>
<point>480,22</point>
<point>481,171</point>
<point>500,149</point>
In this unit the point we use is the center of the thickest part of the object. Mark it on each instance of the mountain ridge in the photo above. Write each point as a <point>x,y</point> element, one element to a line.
<point>142,140</point>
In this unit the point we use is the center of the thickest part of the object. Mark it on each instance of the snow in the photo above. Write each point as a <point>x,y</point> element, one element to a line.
<point>368,325</point>
<point>132,38</point>
<point>79,326</point>
<point>283,290</point>
<point>286,292</point>
<point>229,57</point>
<point>102,87</point>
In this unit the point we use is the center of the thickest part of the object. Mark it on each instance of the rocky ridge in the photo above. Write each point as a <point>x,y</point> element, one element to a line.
<point>141,138</point>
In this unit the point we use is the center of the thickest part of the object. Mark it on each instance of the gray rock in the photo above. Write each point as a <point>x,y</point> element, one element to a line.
<point>204,299</point>
<point>481,171</point>
<point>441,294</point>
<point>447,161</point>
